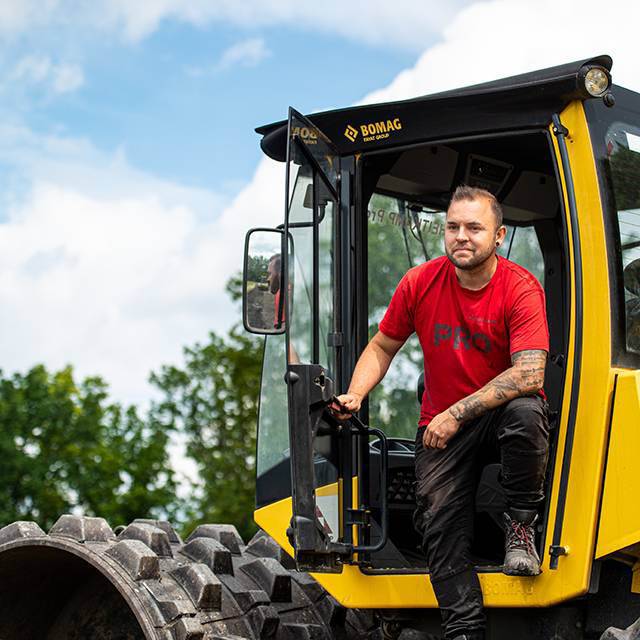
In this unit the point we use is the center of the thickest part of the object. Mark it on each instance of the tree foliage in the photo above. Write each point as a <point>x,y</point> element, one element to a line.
<point>213,399</point>
<point>398,239</point>
<point>257,268</point>
<point>65,448</point>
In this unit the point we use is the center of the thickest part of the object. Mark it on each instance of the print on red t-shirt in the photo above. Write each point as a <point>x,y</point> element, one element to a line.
<point>467,337</point>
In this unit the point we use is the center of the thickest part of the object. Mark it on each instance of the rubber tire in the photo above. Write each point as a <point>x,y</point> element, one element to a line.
<point>81,580</point>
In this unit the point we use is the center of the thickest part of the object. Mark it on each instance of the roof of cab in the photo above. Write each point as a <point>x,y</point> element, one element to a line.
<point>522,101</point>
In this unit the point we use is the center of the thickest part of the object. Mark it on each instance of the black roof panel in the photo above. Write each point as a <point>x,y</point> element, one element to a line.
<point>521,101</point>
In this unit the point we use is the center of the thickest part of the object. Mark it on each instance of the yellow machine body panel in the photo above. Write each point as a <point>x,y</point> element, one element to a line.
<point>620,513</point>
<point>355,588</point>
<point>596,376</point>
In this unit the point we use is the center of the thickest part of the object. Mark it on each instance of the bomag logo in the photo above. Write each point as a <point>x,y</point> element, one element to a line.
<point>351,133</point>
<point>374,130</point>
<point>306,134</point>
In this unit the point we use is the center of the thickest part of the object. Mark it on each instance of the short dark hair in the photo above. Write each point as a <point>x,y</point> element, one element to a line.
<point>465,192</point>
<point>277,259</point>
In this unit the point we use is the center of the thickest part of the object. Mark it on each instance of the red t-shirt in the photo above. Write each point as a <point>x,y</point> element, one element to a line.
<point>467,337</point>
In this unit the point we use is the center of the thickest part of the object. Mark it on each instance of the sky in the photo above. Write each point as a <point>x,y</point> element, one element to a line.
<point>129,166</point>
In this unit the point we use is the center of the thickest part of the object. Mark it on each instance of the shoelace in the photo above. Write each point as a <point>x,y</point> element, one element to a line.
<point>520,536</point>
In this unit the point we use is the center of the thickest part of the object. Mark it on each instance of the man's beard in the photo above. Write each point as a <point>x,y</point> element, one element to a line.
<point>274,284</point>
<point>475,261</point>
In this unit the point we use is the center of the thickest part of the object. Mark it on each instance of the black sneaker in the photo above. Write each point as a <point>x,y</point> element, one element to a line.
<point>521,557</point>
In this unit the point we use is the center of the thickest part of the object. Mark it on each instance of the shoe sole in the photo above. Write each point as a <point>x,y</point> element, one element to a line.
<point>521,573</point>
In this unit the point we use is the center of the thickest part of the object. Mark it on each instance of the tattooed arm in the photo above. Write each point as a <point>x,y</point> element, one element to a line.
<point>524,377</point>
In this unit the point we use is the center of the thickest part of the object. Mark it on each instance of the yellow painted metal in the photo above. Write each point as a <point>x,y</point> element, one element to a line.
<point>354,588</point>
<point>275,517</point>
<point>596,379</point>
<point>620,513</point>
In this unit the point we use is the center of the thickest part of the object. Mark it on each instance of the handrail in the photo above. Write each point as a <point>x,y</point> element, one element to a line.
<point>366,430</point>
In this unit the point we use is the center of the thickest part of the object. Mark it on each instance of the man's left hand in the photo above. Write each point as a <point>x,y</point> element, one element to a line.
<point>440,430</point>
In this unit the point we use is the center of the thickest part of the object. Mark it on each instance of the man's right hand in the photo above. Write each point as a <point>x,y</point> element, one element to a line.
<point>347,404</point>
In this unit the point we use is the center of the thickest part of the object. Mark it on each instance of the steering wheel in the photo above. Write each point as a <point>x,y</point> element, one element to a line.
<point>396,445</point>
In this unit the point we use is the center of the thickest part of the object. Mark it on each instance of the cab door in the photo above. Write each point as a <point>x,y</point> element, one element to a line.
<point>312,343</point>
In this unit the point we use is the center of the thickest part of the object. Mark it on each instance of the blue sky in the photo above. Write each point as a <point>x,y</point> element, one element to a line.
<point>182,117</point>
<point>178,104</point>
<point>127,150</point>
<point>130,171</point>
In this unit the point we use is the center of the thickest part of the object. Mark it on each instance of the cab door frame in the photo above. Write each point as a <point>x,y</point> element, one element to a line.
<point>310,388</point>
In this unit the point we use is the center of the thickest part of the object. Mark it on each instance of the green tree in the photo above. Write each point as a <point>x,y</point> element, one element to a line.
<point>213,400</point>
<point>64,447</point>
<point>257,268</point>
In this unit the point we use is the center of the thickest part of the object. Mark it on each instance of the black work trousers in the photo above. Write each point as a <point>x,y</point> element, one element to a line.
<point>516,434</point>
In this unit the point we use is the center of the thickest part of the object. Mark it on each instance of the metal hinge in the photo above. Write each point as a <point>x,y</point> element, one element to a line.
<point>359,517</point>
<point>559,129</point>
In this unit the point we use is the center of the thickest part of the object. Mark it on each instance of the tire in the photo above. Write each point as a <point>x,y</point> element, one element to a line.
<point>82,581</point>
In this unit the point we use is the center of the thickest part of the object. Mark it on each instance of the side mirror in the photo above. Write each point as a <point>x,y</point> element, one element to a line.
<point>262,302</point>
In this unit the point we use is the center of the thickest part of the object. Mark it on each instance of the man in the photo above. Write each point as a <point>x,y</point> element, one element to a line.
<point>273,281</point>
<point>482,326</point>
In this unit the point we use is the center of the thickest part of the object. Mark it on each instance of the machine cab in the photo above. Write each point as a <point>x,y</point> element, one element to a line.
<point>366,195</point>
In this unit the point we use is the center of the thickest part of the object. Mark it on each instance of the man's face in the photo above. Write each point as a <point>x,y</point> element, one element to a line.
<point>470,233</point>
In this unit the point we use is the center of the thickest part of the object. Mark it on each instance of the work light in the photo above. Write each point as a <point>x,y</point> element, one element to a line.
<point>596,81</point>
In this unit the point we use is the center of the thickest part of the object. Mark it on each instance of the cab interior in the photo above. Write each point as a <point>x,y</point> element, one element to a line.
<point>403,196</point>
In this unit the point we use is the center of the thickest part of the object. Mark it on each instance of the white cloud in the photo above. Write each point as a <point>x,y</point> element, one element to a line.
<point>110,269</point>
<point>67,77</point>
<point>19,15</point>
<point>490,40</point>
<point>41,72</point>
<point>247,53</point>
<point>403,23</point>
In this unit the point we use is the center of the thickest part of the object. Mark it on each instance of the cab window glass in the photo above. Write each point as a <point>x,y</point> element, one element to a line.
<point>327,207</point>
<point>623,151</point>
<point>273,430</point>
<point>521,245</point>
<point>301,267</point>
<point>400,236</point>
